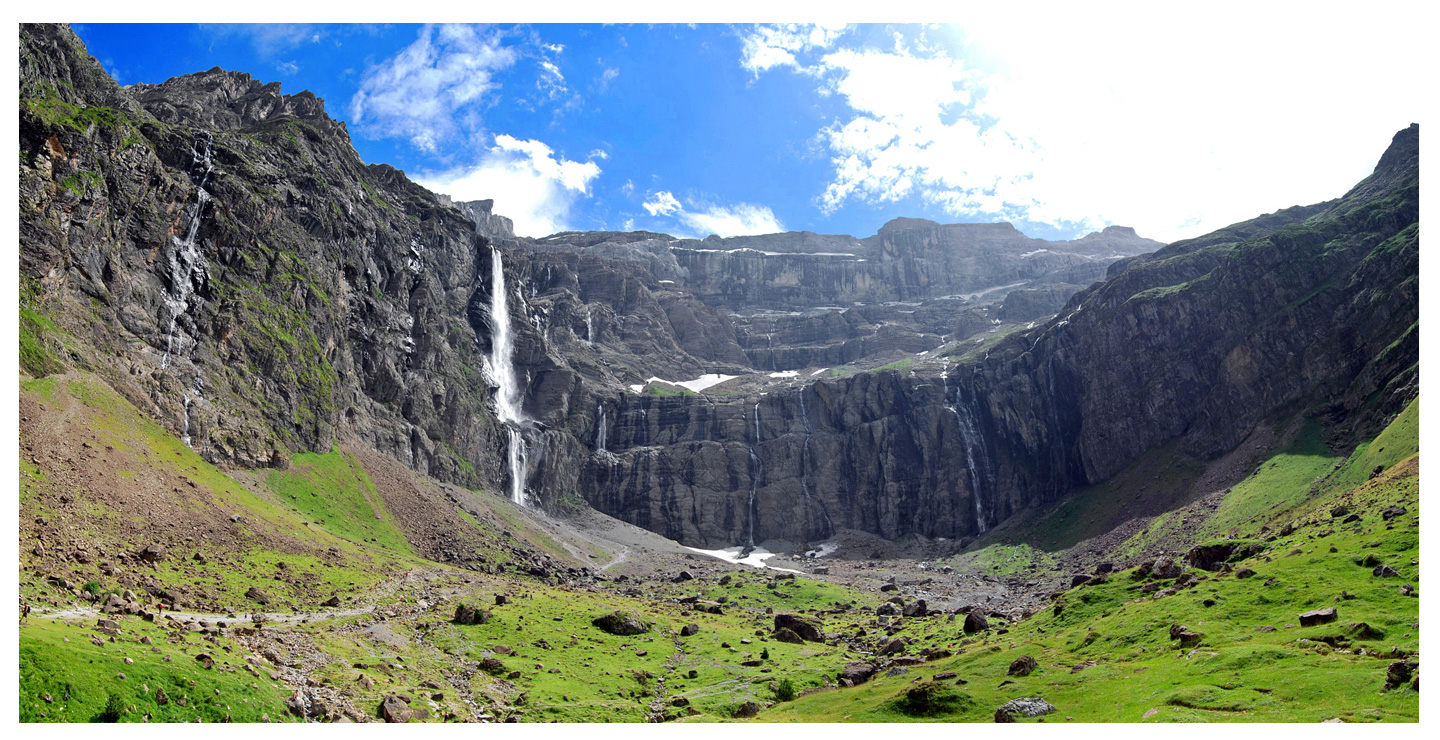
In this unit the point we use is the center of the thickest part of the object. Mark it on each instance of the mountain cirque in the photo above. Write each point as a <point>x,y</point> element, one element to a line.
<point>239,343</point>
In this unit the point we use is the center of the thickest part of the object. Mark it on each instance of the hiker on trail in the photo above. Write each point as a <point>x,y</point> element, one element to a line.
<point>25,614</point>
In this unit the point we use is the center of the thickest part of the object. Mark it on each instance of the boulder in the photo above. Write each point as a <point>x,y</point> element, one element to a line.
<point>975,622</point>
<point>807,627</point>
<point>394,710</point>
<point>1027,707</point>
<point>785,634</point>
<point>887,609</point>
<point>1391,512</point>
<point>153,553</point>
<point>915,608</point>
<point>1244,573</point>
<point>894,647</point>
<point>256,595</point>
<point>470,615</point>
<point>1384,571</point>
<point>747,710</point>
<point>1023,666</point>
<point>1166,568</point>
<point>856,672</point>
<point>333,601</point>
<point>689,629</point>
<point>621,623</point>
<point>1318,616</point>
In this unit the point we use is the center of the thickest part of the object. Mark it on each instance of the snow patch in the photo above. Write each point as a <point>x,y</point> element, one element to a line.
<point>1032,254</point>
<point>756,558</point>
<point>785,374</point>
<point>696,385</point>
<point>817,372</point>
<point>825,548</point>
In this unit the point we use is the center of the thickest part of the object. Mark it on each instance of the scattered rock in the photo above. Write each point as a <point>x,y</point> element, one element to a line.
<point>395,711</point>
<point>1027,707</point>
<point>470,615</point>
<point>747,710</point>
<point>807,627</point>
<point>689,629</point>
<point>1023,666</point>
<point>621,623</point>
<point>1391,512</point>
<point>975,622</point>
<point>856,672</point>
<point>1384,571</point>
<point>1166,568</point>
<point>1318,616</point>
<point>257,596</point>
<point>785,634</point>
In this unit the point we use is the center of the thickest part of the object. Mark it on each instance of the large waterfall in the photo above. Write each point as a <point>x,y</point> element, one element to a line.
<point>188,267</point>
<point>501,368</point>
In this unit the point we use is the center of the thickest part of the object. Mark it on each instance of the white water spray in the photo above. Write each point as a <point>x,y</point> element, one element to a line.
<point>974,443</point>
<point>186,262</point>
<point>501,369</point>
<point>600,428</point>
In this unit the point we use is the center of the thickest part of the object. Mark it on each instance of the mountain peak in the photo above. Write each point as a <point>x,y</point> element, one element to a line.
<point>220,99</point>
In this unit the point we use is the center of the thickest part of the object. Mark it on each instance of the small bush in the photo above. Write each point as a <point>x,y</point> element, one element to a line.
<point>785,690</point>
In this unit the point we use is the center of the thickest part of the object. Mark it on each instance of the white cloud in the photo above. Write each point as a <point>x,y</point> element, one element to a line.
<point>662,203</point>
<point>599,154</point>
<point>529,183</point>
<point>705,219</point>
<point>287,68</point>
<point>606,77</point>
<point>421,92</point>
<point>766,47</point>
<point>1173,126</point>
<point>740,219</point>
<point>268,38</point>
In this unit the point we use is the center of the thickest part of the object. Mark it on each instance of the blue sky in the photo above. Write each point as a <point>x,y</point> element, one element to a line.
<point>1175,125</point>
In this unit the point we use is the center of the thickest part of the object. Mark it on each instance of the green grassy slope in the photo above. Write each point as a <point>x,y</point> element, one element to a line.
<point>1254,662</point>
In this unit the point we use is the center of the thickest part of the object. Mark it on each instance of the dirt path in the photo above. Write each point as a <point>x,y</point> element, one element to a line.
<point>388,587</point>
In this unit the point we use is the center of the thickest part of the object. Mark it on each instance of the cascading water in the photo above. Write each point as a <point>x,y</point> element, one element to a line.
<point>501,369</point>
<point>187,266</point>
<point>805,470</point>
<point>981,474</point>
<point>186,262</point>
<point>600,428</point>
<point>589,327</point>
<point>755,468</point>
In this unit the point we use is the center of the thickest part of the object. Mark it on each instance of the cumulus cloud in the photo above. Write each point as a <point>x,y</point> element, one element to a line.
<point>704,219</point>
<point>662,203</point>
<point>287,68</point>
<point>766,47</point>
<point>1175,128</point>
<point>421,93</point>
<point>529,183</point>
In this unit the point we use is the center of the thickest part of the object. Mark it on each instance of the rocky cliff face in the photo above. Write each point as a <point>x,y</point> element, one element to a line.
<point>1308,310</point>
<point>908,260</point>
<point>218,251</point>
